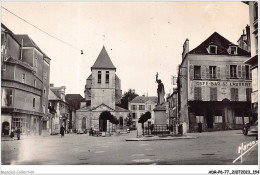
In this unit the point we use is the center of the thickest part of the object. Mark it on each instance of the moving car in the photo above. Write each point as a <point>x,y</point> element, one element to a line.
<point>250,128</point>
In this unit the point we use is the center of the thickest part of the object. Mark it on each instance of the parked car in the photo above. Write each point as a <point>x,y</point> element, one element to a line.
<point>250,128</point>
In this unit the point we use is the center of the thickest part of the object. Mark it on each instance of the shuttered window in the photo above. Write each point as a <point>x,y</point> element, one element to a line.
<point>234,94</point>
<point>207,72</point>
<point>133,107</point>
<point>213,94</point>
<point>204,72</point>
<point>239,71</point>
<point>197,93</point>
<point>218,72</point>
<point>248,94</point>
<point>227,71</point>
<point>244,71</point>
<point>212,72</point>
<point>197,72</point>
<point>233,71</point>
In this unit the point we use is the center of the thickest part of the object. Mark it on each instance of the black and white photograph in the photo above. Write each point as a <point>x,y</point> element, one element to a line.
<point>114,86</point>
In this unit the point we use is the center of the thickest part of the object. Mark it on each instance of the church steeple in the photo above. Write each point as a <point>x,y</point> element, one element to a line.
<point>103,61</point>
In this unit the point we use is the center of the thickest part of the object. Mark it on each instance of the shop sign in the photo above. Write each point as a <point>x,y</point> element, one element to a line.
<point>221,83</point>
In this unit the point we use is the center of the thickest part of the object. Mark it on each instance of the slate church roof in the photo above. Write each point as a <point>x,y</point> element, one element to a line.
<point>103,61</point>
<point>222,46</point>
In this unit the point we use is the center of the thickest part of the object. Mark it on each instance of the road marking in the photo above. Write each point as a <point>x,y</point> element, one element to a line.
<point>148,149</point>
<point>99,152</point>
<point>142,160</point>
<point>143,144</point>
<point>137,155</point>
<point>104,146</point>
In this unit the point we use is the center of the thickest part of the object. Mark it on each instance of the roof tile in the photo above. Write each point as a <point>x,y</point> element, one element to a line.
<point>142,99</point>
<point>222,46</point>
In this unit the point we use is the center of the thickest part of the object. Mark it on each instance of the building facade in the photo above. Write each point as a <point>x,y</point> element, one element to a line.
<point>139,106</point>
<point>172,108</point>
<point>58,104</point>
<point>102,93</point>
<point>253,60</point>
<point>74,101</point>
<point>214,85</point>
<point>25,73</point>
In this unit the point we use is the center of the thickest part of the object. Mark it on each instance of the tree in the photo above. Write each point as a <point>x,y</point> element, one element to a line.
<point>127,97</point>
<point>146,116</point>
<point>128,120</point>
<point>106,115</point>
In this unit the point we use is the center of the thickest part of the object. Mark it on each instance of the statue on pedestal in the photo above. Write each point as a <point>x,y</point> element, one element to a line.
<point>160,91</point>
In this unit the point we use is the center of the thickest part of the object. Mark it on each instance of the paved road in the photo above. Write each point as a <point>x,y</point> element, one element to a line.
<point>212,148</point>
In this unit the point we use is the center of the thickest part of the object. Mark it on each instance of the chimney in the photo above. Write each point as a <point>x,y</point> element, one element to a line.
<point>51,85</point>
<point>185,48</point>
<point>248,38</point>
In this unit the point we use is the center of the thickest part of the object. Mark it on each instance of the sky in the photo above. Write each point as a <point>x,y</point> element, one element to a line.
<point>141,38</point>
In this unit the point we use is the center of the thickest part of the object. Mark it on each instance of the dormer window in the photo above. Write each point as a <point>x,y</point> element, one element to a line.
<point>212,49</point>
<point>233,50</point>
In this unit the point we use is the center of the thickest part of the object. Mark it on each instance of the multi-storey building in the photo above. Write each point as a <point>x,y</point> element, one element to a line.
<point>102,93</point>
<point>214,85</point>
<point>61,107</point>
<point>74,101</point>
<point>25,83</point>
<point>139,105</point>
<point>172,108</point>
<point>253,61</point>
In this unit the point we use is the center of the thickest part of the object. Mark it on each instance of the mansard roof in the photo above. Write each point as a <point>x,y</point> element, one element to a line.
<point>103,61</point>
<point>222,46</point>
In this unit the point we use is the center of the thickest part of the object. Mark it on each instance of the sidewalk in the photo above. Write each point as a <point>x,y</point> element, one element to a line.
<point>152,138</point>
<point>8,138</point>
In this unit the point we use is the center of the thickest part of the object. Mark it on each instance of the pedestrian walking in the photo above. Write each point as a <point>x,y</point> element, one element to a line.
<point>200,127</point>
<point>62,131</point>
<point>12,134</point>
<point>18,131</point>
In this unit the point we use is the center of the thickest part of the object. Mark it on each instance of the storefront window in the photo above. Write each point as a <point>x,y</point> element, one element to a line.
<point>239,120</point>
<point>7,97</point>
<point>199,119</point>
<point>218,119</point>
<point>19,122</point>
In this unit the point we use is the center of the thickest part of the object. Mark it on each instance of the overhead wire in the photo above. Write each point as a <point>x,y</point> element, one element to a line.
<point>43,30</point>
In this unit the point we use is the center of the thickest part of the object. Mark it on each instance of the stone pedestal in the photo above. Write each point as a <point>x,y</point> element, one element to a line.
<point>160,117</point>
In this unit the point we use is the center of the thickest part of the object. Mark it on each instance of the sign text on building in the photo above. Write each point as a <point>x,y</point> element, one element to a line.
<point>222,83</point>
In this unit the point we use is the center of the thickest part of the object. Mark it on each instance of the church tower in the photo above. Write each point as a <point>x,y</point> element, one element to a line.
<point>102,93</point>
<point>103,81</point>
